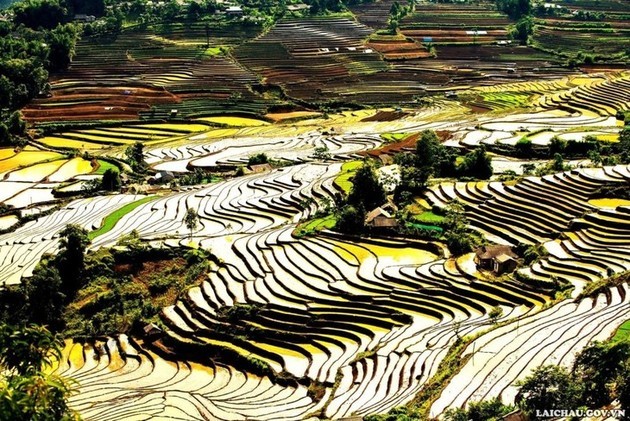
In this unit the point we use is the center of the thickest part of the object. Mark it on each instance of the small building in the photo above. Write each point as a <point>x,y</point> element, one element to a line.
<point>162,177</point>
<point>498,259</point>
<point>84,18</point>
<point>234,11</point>
<point>504,264</point>
<point>260,168</point>
<point>152,330</point>
<point>382,217</point>
<point>298,7</point>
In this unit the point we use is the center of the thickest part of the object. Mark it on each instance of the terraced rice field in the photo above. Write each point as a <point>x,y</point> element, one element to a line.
<point>367,321</point>
<point>107,137</point>
<point>587,242</point>
<point>149,72</point>
<point>22,249</point>
<point>235,121</point>
<point>25,158</point>
<point>369,314</point>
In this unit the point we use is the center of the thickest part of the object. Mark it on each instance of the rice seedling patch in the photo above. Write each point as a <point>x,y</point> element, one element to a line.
<point>110,220</point>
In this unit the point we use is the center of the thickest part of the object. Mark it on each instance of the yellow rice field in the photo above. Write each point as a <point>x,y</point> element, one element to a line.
<point>235,121</point>
<point>295,114</point>
<point>183,127</point>
<point>27,158</point>
<point>60,142</point>
<point>609,203</point>
<point>36,172</point>
<point>95,138</point>
<point>71,169</point>
<point>6,153</point>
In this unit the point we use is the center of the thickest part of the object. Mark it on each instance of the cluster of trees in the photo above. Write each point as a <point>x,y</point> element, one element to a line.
<point>366,194</point>
<point>396,14</point>
<point>516,9</point>
<point>36,41</point>
<point>262,12</point>
<point>432,159</point>
<point>489,410</point>
<point>27,391</point>
<point>85,294</point>
<point>599,376</point>
<point>41,298</point>
<point>135,157</point>
<point>520,11</point>
<point>458,237</point>
<point>559,149</point>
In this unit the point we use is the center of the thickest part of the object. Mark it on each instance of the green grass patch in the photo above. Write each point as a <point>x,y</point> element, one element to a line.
<point>426,227</point>
<point>623,333</point>
<point>214,51</point>
<point>347,172</point>
<point>104,166</point>
<point>393,137</point>
<point>326,222</point>
<point>111,219</point>
<point>429,217</point>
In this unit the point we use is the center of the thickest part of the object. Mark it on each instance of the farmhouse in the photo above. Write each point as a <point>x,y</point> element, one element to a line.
<point>382,217</point>
<point>84,18</point>
<point>297,7</point>
<point>260,168</point>
<point>234,11</point>
<point>498,259</point>
<point>162,177</point>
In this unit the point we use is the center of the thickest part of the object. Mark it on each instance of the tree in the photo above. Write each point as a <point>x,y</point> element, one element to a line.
<point>514,8</point>
<point>61,41</point>
<point>495,314</point>
<point>367,192</point>
<point>524,147</point>
<point>350,219</point>
<point>35,14</point>
<point>71,258</point>
<point>260,158</point>
<point>558,163</point>
<point>622,388</point>
<point>110,180</point>
<point>548,387</point>
<point>458,239</point>
<point>523,29</point>
<point>557,145</point>
<point>191,219</point>
<point>135,155</point>
<point>528,168</point>
<point>43,297</point>
<point>26,391</point>
<point>322,153</point>
<point>489,410</point>
<point>477,164</point>
<point>427,150</point>
<point>597,367</point>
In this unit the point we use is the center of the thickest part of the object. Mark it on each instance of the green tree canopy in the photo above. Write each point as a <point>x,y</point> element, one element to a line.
<point>548,387</point>
<point>191,219</point>
<point>26,391</point>
<point>71,258</point>
<point>597,367</point>
<point>477,164</point>
<point>367,192</point>
<point>135,155</point>
<point>350,219</point>
<point>110,180</point>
